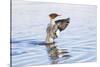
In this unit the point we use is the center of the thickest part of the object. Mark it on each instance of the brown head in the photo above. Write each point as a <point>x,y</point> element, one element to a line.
<point>53,15</point>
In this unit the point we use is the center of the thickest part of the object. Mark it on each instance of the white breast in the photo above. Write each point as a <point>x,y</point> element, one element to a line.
<point>58,32</point>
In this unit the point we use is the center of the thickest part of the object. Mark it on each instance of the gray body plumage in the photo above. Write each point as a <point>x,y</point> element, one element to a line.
<point>54,29</point>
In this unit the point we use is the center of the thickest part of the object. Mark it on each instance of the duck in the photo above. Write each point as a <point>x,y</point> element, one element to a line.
<point>55,27</point>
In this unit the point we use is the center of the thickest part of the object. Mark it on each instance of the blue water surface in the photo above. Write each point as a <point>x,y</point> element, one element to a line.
<point>29,22</point>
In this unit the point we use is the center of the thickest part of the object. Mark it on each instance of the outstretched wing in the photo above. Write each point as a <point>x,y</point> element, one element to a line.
<point>62,23</point>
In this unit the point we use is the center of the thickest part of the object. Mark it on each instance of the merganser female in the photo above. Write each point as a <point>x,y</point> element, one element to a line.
<point>55,26</point>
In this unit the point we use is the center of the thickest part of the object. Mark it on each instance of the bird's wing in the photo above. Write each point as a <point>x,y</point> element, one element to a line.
<point>62,23</point>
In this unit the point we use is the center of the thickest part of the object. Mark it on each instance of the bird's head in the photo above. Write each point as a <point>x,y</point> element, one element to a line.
<point>53,15</point>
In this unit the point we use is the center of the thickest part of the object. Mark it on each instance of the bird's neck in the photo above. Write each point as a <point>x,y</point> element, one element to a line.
<point>52,21</point>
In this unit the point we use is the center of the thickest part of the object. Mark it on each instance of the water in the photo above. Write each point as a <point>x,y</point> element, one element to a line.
<point>29,22</point>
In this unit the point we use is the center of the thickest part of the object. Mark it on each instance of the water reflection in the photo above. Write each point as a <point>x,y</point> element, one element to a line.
<point>56,54</point>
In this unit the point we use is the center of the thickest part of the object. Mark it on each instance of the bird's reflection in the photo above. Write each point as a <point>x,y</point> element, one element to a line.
<point>55,53</point>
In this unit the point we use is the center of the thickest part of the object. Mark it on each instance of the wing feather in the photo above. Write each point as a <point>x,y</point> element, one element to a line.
<point>62,23</point>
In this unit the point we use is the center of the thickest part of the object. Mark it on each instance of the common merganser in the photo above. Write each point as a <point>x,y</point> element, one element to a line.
<point>55,27</point>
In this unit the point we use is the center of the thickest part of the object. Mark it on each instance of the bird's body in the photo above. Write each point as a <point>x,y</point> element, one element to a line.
<point>55,27</point>
<point>51,29</point>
